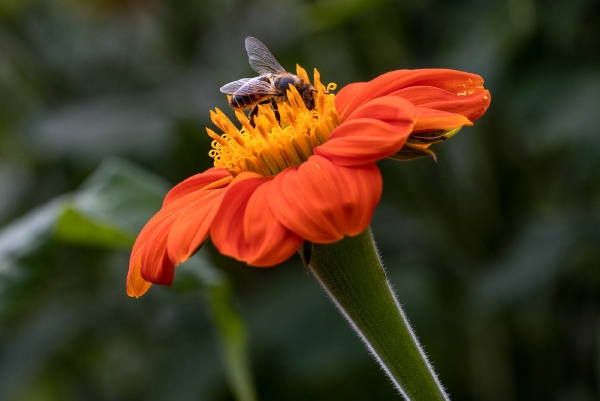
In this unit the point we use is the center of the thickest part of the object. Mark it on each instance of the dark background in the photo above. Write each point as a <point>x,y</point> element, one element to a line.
<point>494,251</point>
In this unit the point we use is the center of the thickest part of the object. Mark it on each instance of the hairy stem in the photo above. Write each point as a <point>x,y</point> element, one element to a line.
<point>351,273</point>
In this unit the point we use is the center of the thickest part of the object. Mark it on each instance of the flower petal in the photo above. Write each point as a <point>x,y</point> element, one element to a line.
<point>322,202</point>
<point>156,267</point>
<point>471,105</point>
<point>192,227</point>
<point>272,242</point>
<point>247,229</point>
<point>138,259</point>
<point>195,183</point>
<point>136,285</point>
<point>450,80</point>
<point>390,109</point>
<point>346,94</point>
<point>150,248</point>
<point>372,132</point>
<point>434,120</point>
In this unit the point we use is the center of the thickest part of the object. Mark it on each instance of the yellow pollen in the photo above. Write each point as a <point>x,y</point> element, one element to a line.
<point>269,146</point>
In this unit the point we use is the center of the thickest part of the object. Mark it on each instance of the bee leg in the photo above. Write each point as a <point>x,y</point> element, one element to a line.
<point>276,110</point>
<point>253,114</point>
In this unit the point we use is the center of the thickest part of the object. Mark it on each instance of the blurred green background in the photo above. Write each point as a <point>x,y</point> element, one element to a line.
<point>494,251</point>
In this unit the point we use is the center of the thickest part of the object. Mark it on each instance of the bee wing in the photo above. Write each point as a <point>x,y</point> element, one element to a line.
<point>232,87</point>
<point>248,86</point>
<point>261,59</point>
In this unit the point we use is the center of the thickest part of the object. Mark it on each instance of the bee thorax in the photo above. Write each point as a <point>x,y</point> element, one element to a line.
<point>284,82</point>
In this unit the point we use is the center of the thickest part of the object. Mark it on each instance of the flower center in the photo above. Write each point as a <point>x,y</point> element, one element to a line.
<point>273,145</point>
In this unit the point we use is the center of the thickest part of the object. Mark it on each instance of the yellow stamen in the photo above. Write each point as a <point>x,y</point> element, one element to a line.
<point>270,146</point>
<point>245,122</point>
<point>269,114</point>
<point>301,72</point>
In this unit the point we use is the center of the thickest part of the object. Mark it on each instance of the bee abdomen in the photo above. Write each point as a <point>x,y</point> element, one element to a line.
<point>243,101</point>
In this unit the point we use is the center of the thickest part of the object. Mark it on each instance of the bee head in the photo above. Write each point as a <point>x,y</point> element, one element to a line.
<point>307,92</point>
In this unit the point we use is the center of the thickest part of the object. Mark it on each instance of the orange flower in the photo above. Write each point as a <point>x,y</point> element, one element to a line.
<point>309,176</point>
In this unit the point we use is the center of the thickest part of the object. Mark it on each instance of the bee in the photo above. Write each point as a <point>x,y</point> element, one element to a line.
<point>269,87</point>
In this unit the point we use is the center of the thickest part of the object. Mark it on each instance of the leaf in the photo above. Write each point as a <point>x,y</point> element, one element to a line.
<point>120,194</point>
<point>108,211</point>
<point>233,340</point>
<point>198,273</point>
<point>532,264</point>
<point>24,253</point>
<point>26,234</point>
<point>111,206</point>
<point>74,228</point>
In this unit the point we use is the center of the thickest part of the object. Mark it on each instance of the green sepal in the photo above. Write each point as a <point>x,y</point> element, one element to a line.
<point>413,149</point>
<point>433,136</point>
<point>408,153</point>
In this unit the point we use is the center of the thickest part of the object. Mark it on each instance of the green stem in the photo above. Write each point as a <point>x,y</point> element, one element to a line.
<point>351,273</point>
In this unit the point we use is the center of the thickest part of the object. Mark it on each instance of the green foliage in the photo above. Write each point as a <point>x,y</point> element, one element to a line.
<point>492,250</point>
<point>75,228</point>
<point>232,339</point>
<point>105,213</point>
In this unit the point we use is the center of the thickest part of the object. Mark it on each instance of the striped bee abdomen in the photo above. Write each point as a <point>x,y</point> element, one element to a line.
<point>244,101</point>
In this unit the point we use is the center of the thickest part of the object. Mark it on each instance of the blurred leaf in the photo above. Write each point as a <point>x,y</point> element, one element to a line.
<point>566,119</point>
<point>107,211</point>
<point>9,8</point>
<point>536,260</point>
<point>74,228</point>
<point>15,180</point>
<point>91,131</point>
<point>120,194</point>
<point>111,206</point>
<point>21,246</point>
<point>24,235</point>
<point>80,79</point>
<point>232,337</point>
<point>198,273</point>
<point>328,14</point>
